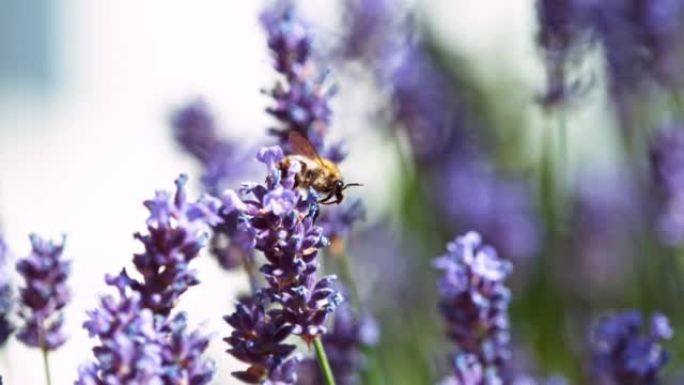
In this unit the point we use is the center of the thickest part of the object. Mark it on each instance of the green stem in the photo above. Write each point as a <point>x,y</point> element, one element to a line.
<point>46,364</point>
<point>323,362</point>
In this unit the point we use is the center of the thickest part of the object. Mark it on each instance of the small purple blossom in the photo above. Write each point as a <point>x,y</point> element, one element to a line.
<point>626,354</point>
<point>474,301</point>
<point>44,295</point>
<point>177,230</point>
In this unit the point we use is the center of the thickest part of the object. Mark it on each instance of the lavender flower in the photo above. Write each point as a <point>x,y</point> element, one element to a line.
<point>181,354</point>
<point>640,39</point>
<point>129,350</point>
<point>430,110</point>
<point>257,339</point>
<point>627,355</point>
<point>6,302</point>
<point>344,346</point>
<point>474,301</point>
<point>177,230</point>
<point>302,99</point>
<point>564,25</point>
<point>137,348</point>
<point>277,219</point>
<point>140,343</point>
<point>667,161</point>
<point>45,294</point>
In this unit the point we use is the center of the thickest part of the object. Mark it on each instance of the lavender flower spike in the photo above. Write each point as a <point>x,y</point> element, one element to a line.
<point>45,294</point>
<point>302,99</point>
<point>139,342</point>
<point>257,339</point>
<point>474,301</point>
<point>177,230</point>
<point>129,350</point>
<point>277,219</point>
<point>627,355</point>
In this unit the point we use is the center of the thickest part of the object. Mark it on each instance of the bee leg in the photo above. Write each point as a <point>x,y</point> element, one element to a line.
<point>327,198</point>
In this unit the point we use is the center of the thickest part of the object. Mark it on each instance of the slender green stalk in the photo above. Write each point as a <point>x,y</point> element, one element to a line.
<point>323,362</point>
<point>46,365</point>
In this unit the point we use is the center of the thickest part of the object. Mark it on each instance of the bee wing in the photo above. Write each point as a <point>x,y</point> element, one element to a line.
<point>302,146</point>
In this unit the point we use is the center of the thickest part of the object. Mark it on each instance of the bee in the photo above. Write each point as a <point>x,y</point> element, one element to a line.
<point>316,172</point>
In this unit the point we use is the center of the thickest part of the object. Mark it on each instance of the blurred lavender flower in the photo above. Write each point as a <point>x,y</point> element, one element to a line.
<point>344,346</point>
<point>624,354</point>
<point>430,110</point>
<point>278,220</point>
<point>45,294</point>
<point>607,215</point>
<point>474,301</point>
<point>640,38</point>
<point>475,202</point>
<point>177,230</point>
<point>195,131</point>
<point>667,163</point>
<point>563,28</point>
<point>257,339</point>
<point>372,30</point>
<point>302,98</point>
<point>6,294</point>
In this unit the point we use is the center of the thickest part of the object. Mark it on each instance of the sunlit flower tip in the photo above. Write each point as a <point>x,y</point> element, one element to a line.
<point>625,353</point>
<point>44,295</point>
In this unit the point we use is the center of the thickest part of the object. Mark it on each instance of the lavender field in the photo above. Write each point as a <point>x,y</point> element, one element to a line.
<point>350,192</point>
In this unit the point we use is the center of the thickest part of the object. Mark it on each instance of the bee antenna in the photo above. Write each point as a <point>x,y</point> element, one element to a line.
<point>351,185</point>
